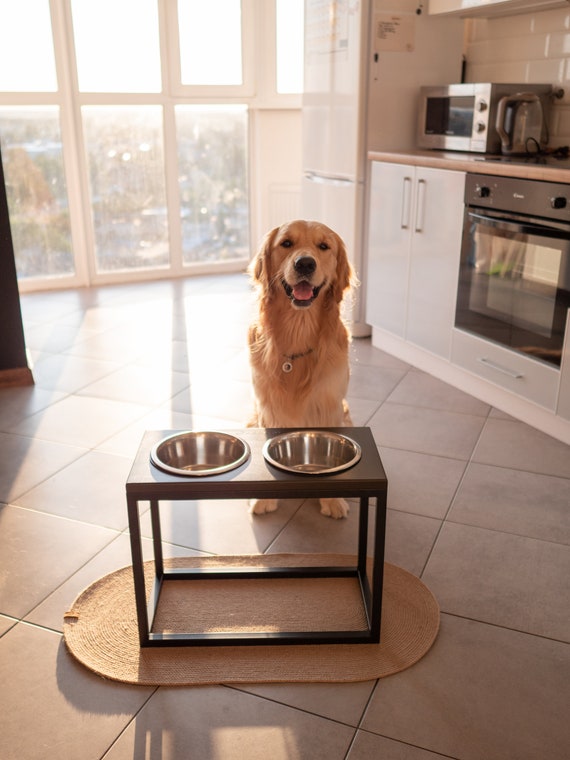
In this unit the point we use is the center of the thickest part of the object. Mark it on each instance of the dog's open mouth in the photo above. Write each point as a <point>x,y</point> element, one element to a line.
<point>302,293</point>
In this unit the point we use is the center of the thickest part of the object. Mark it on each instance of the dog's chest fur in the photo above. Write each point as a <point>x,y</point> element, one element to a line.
<point>312,391</point>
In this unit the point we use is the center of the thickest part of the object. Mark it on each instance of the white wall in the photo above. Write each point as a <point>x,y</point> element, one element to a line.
<point>277,164</point>
<point>530,47</point>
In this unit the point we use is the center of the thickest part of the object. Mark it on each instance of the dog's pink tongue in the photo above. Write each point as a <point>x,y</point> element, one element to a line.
<point>303,291</point>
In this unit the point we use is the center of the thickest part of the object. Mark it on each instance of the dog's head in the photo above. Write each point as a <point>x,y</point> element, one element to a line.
<point>304,261</point>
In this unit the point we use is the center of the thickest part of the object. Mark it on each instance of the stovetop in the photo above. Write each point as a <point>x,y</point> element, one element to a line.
<point>557,160</point>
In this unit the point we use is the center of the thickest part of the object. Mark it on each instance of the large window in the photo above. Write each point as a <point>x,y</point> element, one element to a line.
<point>212,177</point>
<point>26,37</point>
<point>124,147</point>
<point>125,128</point>
<point>117,45</point>
<point>210,37</point>
<point>36,188</point>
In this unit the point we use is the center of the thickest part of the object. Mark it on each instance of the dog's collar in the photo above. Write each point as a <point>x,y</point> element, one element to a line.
<point>287,366</point>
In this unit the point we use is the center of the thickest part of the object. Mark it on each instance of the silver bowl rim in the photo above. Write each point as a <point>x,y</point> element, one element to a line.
<point>157,462</point>
<point>324,433</point>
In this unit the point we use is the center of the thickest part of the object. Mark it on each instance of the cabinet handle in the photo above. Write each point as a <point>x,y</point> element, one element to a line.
<point>498,368</point>
<point>406,196</point>
<point>420,205</point>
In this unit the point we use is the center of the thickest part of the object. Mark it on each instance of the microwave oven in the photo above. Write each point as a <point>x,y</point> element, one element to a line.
<point>462,116</point>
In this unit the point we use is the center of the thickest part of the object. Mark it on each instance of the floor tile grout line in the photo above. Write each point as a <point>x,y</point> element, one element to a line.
<point>242,690</point>
<point>129,723</point>
<point>85,452</point>
<point>451,501</point>
<point>510,629</point>
<point>63,582</point>
<point>506,532</point>
<point>351,744</point>
<point>367,705</point>
<point>284,526</point>
<point>435,753</point>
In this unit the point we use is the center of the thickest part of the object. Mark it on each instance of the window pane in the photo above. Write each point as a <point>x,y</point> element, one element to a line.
<point>210,42</point>
<point>126,172</point>
<point>26,49</point>
<point>290,46</point>
<point>117,45</point>
<point>212,166</point>
<point>36,189</point>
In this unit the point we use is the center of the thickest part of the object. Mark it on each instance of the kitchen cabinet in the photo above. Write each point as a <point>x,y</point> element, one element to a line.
<point>415,227</point>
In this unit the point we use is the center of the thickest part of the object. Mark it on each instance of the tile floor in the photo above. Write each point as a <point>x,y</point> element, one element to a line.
<point>479,507</point>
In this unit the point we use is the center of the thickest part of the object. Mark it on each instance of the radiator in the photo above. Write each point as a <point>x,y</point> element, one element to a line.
<point>284,203</point>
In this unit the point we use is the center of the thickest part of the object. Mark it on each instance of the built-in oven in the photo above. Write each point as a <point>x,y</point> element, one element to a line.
<point>514,279</point>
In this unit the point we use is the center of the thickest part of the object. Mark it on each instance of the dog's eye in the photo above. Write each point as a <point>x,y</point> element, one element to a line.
<point>286,243</point>
<point>324,246</point>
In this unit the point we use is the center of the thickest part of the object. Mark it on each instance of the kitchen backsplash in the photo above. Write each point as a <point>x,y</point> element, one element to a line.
<point>531,47</point>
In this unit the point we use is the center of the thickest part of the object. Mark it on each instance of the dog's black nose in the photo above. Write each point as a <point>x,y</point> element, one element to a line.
<point>305,265</point>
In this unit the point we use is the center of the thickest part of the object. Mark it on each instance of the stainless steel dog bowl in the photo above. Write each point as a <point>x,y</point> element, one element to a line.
<point>199,453</point>
<point>312,452</point>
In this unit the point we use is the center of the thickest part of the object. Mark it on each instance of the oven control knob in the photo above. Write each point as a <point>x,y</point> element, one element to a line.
<point>483,191</point>
<point>558,202</point>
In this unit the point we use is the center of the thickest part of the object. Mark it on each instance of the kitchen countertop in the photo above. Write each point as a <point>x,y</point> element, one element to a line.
<point>550,169</point>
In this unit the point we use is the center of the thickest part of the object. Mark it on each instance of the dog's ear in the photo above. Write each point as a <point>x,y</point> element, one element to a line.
<point>260,265</point>
<point>344,273</point>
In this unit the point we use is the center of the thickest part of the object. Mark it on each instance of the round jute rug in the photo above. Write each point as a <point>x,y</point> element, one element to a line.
<point>101,630</point>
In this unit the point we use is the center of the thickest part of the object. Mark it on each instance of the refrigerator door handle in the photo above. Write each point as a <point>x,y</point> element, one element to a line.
<point>406,198</point>
<point>323,179</point>
<point>420,205</point>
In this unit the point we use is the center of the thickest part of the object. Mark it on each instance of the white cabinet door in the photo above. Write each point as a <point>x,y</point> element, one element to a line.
<point>434,258</point>
<point>389,238</point>
<point>415,227</point>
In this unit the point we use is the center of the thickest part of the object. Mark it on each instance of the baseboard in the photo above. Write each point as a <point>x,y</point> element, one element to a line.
<point>12,378</point>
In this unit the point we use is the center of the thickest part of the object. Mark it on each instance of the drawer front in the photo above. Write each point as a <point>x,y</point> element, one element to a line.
<point>515,372</point>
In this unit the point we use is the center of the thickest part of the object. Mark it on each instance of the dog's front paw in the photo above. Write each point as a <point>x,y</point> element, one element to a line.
<point>261,506</point>
<point>335,508</point>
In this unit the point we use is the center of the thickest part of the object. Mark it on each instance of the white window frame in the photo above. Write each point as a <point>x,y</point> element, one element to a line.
<point>226,93</point>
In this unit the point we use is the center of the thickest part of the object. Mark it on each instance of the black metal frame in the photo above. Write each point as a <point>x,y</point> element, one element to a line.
<point>257,479</point>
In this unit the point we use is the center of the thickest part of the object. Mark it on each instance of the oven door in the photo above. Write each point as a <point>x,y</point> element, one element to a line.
<point>514,282</point>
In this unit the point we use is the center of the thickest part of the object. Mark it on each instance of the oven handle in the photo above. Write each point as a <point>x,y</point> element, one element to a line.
<point>515,374</point>
<point>522,227</point>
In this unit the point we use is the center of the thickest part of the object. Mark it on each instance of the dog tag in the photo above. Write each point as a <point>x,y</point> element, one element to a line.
<point>286,366</point>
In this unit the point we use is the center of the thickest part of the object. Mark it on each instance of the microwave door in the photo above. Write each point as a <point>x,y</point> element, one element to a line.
<point>448,122</point>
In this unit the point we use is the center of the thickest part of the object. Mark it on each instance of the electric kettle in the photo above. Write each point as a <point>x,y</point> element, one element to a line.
<point>519,123</point>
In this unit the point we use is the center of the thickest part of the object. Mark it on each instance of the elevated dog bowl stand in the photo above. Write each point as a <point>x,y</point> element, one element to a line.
<point>257,479</point>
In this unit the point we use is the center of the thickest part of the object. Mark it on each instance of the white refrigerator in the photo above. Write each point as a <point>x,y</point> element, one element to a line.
<point>365,61</point>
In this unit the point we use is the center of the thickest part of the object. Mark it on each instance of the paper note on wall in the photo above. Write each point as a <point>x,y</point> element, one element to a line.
<point>394,33</point>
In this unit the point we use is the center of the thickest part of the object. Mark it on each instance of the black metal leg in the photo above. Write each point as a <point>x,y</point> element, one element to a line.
<point>156,538</point>
<point>378,565</point>
<point>362,536</point>
<point>138,569</point>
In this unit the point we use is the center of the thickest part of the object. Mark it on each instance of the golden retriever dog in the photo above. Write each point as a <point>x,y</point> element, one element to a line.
<point>298,343</point>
